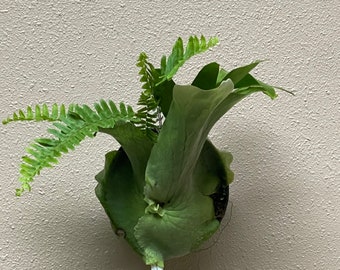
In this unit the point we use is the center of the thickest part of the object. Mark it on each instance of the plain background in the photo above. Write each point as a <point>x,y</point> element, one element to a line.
<point>285,210</point>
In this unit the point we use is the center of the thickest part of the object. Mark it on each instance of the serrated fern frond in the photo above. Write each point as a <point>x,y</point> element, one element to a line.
<point>70,129</point>
<point>149,75</point>
<point>151,78</point>
<point>179,56</point>
<point>148,112</point>
<point>40,113</point>
<point>149,116</point>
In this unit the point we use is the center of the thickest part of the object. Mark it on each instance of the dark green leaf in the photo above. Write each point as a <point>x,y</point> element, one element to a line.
<point>206,79</point>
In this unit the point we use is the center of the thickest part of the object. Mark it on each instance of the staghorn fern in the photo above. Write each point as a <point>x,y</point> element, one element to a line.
<point>167,186</point>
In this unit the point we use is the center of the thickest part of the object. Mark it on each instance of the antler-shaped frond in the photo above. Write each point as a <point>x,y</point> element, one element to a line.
<point>148,113</point>
<point>40,113</point>
<point>179,56</point>
<point>70,129</point>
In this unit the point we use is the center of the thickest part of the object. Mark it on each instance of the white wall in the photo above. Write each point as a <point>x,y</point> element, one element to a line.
<point>286,196</point>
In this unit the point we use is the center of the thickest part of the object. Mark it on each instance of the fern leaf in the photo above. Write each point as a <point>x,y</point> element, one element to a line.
<point>40,113</point>
<point>179,56</point>
<point>72,128</point>
<point>113,108</point>
<point>149,106</point>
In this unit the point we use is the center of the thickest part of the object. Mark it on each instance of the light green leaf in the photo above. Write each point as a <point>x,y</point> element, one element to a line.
<point>175,176</point>
<point>118,192</point>
<point>185,129</point>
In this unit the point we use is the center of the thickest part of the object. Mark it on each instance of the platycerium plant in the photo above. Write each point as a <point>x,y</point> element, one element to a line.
<point>167,186</point>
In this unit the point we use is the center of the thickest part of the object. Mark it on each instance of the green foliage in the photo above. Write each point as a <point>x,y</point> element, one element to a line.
<point>40,113</point>
<point>149,112</point>
<point>68,131</point>
<point>207,78</point>
<point>156,96</point>
<point>178,56</point>
<point>154,81</point>
<point>178,176</point>
<point>159,186</point>
<point>149,75</point>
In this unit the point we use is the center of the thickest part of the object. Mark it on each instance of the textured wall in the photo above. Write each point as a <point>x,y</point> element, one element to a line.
<point>285,200</point>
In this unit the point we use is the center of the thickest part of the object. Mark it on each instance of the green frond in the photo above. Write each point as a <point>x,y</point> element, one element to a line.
<point>179,56</point>
<point>72,128</point>
<point>148,112</point>
<point>153,81</point>
<point>149,75</point>
<point>40,113</point>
